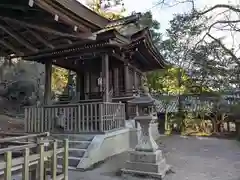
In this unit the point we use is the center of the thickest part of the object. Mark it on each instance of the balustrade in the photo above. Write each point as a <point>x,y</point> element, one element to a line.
<point>75,118</point>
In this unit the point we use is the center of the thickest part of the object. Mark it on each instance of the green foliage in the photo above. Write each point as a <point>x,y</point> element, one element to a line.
<point>59,79</point>
<point>166,81</point>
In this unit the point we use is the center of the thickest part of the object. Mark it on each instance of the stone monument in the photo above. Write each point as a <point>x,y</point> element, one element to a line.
<point>146,159</point>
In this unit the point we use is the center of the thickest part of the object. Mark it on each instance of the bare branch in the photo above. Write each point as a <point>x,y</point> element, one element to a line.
<point>219,6</point>
<point>235,58</point>
<point>224,22</point>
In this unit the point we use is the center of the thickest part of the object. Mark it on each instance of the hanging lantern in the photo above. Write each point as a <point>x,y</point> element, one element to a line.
<point>99,81</point>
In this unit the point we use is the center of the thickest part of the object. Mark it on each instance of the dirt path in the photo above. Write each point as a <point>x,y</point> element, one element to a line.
<point>10,124</point>
<point>191,158</point>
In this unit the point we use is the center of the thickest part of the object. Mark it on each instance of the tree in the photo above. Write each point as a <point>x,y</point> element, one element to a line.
<point>196,67</point>
<point>111,9</point>
<point>166,81</point>
<point>154,27</point>
<point>209,60</point>
<point>221,26</point>
<point>59,79</point>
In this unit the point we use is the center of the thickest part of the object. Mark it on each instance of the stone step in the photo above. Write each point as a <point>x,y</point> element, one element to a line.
<point>72,161</point>
<point>70,157</point>
<point>69,167</point>
<point>77,144</point>
<point>74,137</point>
<point>74,152</point>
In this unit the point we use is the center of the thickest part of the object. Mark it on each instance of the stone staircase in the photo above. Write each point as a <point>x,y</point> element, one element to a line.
<point>78,145</point>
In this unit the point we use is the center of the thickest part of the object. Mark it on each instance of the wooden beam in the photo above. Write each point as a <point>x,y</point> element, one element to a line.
<point>123,59</point>
<point>40,28</point>
<point>65,18</point>
<point>15,7</point>
<point>41,39</point>
<point>64,65</point>
<point>9,46</point>
<point>18,38</point>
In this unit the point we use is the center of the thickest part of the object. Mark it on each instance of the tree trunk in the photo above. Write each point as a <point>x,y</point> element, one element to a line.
<point>166,124</point>
<point>215,127</point>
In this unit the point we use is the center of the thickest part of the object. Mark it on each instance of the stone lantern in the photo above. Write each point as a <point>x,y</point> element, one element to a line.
<point>146,158</point>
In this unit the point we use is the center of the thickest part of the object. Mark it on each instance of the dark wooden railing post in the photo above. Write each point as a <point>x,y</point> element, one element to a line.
<point>101,112</point>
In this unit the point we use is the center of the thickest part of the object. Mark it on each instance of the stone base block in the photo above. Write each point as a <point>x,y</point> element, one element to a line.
<point>147,167</point>
<point>145,157</point>
<point>150,164</point>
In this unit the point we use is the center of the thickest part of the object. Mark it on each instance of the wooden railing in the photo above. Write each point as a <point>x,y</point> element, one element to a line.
<point>131,111</point>
<point>115,94</point>
<point>36,162</point>
<point>113,116</point>
<point>75,118</point>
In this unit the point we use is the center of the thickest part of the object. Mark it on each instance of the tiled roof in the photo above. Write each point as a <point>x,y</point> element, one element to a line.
<point>167,103</point>
<point>170,105</point>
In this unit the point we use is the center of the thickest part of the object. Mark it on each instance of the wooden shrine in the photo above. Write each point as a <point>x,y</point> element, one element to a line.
<point>109,58</point>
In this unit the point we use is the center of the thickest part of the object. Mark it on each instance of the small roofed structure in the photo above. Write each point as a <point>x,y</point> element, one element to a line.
<point>129,56</point>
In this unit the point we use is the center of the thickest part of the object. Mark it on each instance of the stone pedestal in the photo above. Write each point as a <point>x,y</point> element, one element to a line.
<point>147,159</point>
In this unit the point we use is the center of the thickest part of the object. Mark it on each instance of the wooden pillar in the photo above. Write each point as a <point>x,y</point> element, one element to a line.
<point>237,125</point>
<point>126,77</point>
<point>135,79</point>
<point>78,85</point>
<point>48,82</point>
<point>116,81</point>
<point>70,84</point>
<point>228,126</point>
<point>87,84</point>
<point>105,78</point>
<point>141,79</point>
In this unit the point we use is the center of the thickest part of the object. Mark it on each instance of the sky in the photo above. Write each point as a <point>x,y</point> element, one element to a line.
<point>165,14</point>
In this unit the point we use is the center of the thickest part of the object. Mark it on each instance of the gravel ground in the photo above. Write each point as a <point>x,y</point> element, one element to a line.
<point>191,159</point>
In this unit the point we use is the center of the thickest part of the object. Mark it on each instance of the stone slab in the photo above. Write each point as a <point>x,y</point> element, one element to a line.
<point>145,157</point>
<point>161,175</point>
<point>147,167</point>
